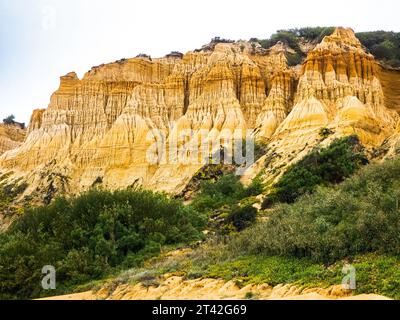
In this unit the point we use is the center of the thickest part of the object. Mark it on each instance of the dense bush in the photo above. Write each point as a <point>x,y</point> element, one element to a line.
<point>292,37</point>
<point>288,38</point>
<point>87,236</point>
<point>330,165</point>
<point>315,34</point>
<point>293,59</point>
<point>242,217</point>
<point>358,216</point>
<point>8,193</point>
<point>9,120</point>
<point>228,203</point>
<point>227,191</point>
<point>383,45</point>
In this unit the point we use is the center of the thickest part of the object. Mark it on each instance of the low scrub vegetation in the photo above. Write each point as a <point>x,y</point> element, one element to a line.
<point>360,215</point>
<point>86,237</point>
<point>384,45</point>
<point>242,217</point>
<point>228,203</point>
<point>378,274</point>
<point>375,273</point>
<point>327,209</point>
<point>8,193</point>
<point>227,191</point>
<point>292,37</point>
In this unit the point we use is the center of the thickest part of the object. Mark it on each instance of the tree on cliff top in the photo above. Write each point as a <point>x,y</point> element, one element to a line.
<point>9,120</point>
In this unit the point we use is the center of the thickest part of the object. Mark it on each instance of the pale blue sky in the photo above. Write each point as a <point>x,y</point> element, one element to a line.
<point>41,40</point>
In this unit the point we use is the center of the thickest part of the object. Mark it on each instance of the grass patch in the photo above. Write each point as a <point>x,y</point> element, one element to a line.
<point>379,274</point>
<point>272,270</point>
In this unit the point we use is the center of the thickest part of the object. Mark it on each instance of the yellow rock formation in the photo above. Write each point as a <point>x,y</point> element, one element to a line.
<point>100,128</point>
<point>339,88</point>
<point>11,137</point>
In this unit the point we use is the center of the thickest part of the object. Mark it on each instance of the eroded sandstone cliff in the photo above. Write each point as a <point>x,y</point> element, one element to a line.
<point>98,130</point>
<point>11,137</point>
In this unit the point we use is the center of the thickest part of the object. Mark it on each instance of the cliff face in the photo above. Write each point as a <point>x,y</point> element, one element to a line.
<point>339,90</point>
<point>11,137</point>
<point>99,129</point>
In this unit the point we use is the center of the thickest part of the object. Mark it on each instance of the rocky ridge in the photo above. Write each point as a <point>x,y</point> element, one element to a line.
<point>98,129</point>
<point>11,137</point>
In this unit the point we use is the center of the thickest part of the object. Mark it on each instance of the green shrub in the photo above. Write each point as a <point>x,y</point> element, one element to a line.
<point>315,34</point>
<point>242,217</point>
<point>360,215</point>
<point>293,59</point>
<point>288,38</point>
<point>292,38</point>
<point>383,45</point>
<point>213,195</point>
<point>9,120</point>
<point>227,191</point>
<point>87,236</point>
<point>8,193</point>
<point>330,165</point>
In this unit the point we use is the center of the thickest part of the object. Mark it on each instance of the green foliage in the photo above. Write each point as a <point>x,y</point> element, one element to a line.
<point>292,37</point>
<point>383,45</point>
<point>249,295</point>
<point>228,203</point>
<point>330,165</point>
<point>325,132</point>
<point>9,120</point>
<point>288,38</point>
<point>315,34</point>
<point>293,59</point>
<point>360,215</point>
<point>274,270</point>
<point>375,273</point>
<point>87,236</point>
<point>8,193</point>
<point>378,274</point>
<point>213,195</point>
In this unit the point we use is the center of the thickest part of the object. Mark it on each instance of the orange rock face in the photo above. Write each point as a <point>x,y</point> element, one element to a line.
<point>100,128</point>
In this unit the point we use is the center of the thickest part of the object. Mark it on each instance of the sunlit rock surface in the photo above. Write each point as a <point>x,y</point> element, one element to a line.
<point>99,129</point>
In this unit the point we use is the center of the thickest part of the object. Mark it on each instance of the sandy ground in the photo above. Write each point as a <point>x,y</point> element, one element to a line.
<point>176,288</point>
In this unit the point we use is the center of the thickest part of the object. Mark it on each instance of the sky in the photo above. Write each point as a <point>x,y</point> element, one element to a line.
<point>40,40</point>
